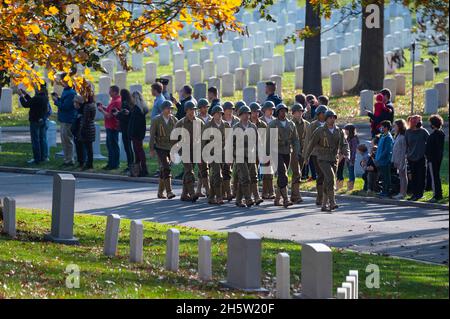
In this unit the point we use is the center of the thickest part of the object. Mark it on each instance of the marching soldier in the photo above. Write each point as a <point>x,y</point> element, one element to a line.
<point>267,186</point>
<point>288,142</point>
<point>160,145</point>
<point>216,181</point>
<point>227,169</point>
<point>203,180</point>
<point>330,145</point>
<point>188,122</point>
<point>296,158</point>
<point>246,171</point>
<point>319,122</point>
<point>254,118</point>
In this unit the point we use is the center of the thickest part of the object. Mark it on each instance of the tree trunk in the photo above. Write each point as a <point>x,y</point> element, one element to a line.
<point>312,72</point>
<point>371,64</point>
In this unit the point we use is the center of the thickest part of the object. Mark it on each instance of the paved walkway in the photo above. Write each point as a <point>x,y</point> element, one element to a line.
<point>401,231</point>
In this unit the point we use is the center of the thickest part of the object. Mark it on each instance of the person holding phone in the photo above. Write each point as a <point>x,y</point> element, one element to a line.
<point>112,127</point>
<point>38,105</point>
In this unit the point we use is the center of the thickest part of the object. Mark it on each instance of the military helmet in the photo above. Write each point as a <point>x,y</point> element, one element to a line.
<point>297,107</point>
<point>166,105</point>
<point>255,107</point>
<point>190,105</point>
<point>330,113</point>
<point>268,105</point>
<point>244,109</point>
<point>281,106</point>
<point>321,109</point>
<point>228,105</point>
<point>239,104</point>
<point>216,109</point>
<point>202,103</point>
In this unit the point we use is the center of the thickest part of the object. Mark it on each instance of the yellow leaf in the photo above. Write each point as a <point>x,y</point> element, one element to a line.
<point>35,29</point>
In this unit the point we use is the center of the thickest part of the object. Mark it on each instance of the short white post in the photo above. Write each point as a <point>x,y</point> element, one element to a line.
<point>172,249</point>
<point>204,258</point>
<point>283,276</point>
<point>136,241</point>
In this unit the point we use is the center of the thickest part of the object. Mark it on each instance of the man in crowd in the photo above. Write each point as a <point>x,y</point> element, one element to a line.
<point>434,153</point>
<point>157,89</point>
<point>66,116</point>
<point>165,91</point>
<point>288,143</point>
<point>267,187</point>
<point>383,157</point>
<point>330,146</point>
<point>416,141</point>
<point>112,127</point>
<point>271,88</point>
<point>185,95</point>
<point>319,122</point>
<point>387,101</point>
<point>160,145</point>
<point>255,119</point>
<point>213,98</point>
<point>296,159</point>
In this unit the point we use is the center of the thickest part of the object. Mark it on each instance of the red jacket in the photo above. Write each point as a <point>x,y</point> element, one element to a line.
<point>111,121</point>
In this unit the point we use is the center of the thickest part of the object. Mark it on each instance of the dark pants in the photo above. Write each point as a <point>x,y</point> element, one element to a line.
<point>385,173</point>
<point>164,163</point>
<point>434,168</point>
<point>39,140</point>
<point>312,168</point>
<point>112,144</point>
<point>418,172</point>
<point>81,153</point>
<point>127,148</point>
<point>139,155</point>
<point>340,170</point>
<point>85,153</point>
<point>282,170</point>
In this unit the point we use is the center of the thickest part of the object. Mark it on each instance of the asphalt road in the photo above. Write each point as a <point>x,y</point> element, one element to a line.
<point>409,232</point>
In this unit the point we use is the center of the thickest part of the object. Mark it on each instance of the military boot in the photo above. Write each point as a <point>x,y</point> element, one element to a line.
<point>247,195</point>
<point>296,198</point>
<point>319,195</point>
<point>168,185</point>
<point>161,188</point>
<point>218,192</point>
<point>226,190</point>
<point>265,194</point>
<point>184,194</point>
<point>199,193</point>
<point>277,199</point>
<point>205,182</point>
<point>270,189</point>
<point>284,194</point>
<point>255,193</point>
<point>239,202</point>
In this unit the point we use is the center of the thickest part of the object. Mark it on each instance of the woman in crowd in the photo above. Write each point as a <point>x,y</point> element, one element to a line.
<point>84,132</point>
<point>399,157</point>
<point>136,131</point>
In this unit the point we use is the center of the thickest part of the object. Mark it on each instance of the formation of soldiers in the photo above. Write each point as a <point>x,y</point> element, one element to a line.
<point>298,142</point>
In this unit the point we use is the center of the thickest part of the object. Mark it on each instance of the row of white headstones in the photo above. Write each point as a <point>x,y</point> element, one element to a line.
<point>244,256</point>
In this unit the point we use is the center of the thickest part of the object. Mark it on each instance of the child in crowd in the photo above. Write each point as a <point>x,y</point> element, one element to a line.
<point>353,142</point>
<point>381,113</point>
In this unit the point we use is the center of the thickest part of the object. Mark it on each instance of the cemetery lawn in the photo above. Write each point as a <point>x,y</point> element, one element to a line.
<point>32,268</point>
<point>17,154</point>
<point>347,106</point>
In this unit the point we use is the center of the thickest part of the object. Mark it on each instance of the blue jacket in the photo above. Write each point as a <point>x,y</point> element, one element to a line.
<point>66,109</point>
<point>384,151</point>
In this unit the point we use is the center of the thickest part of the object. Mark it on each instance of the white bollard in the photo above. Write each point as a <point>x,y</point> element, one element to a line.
<point>283,276</point>
<point>111,235</point>
<point>9,216</point>
<point>136,241</point>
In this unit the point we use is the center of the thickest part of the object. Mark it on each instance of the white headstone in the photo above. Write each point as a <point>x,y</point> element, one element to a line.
<point>104,83</point>
<point>283,276</point>
<point>120,79</point>
<point>137,61</point>
<point>234,61</point>
<point>299,56</point>
<point>289,61</point>
<point>346,58</point>
<point>391,84</point>
<point>355,274</point>
<point>108,65</point>
<point>164,54</point>
<point>335,62</point>
<point>6,100</point>
<point>341,293</point>
<point>195,74</point>
<point>111,235</point>
<point>429,70</point>
<point>240,79</point>
<point>249,94</point>
<point>258,53</point>
<point>172,249</point>
<point>442,89</point>
<point>261,91</point>
<point>209,69</point>
<point>348,76</point>
<point>214,81</point>
<point>348,287</point>
<point>136,88</point>
<point>317,271</point>
<point>431,101</point>
<point>325,61</point>
<point>365,102</point>
<point>222,65</point>
<point>205,54</point>
<point>254,74</point>
<point>9,216</point>
<point>180,79</point>
<point>443,61</point>
<point>419,74</point>
<point>278,64</point>
<point>278,80</point>
<point>178,61</point>
<point>247,57</point>
<point>136,241</point>
<point>192,58</point>
<point>298,77</point>
<point>267,68</point>
<point>150,72</point>
<point>227,84</point>
<point>400,80</point>
<point>204,258</point>
<point>337,84</point>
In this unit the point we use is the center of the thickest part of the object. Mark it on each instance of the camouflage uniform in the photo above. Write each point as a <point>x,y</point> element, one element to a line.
<point>228,170</point>
<point>267,187</point>
<point>297,161</point>
<point>202,174</point>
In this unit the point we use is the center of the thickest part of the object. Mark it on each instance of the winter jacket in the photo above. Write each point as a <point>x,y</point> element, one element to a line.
<point>87,127</point>
<point>137,124</point>
<point>435,146</point>
<point>66,110</point>
<point>123,118</point>
<point>180,107</point>
<point>384,151</point>
<point>38,106</point>
<point>399,152</point>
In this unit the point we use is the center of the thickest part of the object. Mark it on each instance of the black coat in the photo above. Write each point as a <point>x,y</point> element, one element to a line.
<point>180,107</point>
<point>37,104</point>
<point>137,124</point>
<point>87,123</point>
<point>434,151</point>
<point>123,118</point>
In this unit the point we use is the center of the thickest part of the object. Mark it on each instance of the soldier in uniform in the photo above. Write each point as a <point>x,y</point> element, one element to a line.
<point>227,167</point>
<point>246,171</point>
<point>267,186</point>
<point>254,118</point>
<point>296,158</point>
<point>160,145</point>
<point>320,121</point>
<point>288,143</point>
<point>216,181</point>
<point>271,88</point>
<point>237,106</point>
<point>203,180</point>
<point>330,145</point>
<point>188,122</point>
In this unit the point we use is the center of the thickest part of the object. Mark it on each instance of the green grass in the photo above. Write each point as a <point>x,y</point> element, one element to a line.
<point>17,154</point>
<point>346,106</point>
<point>33,268</point>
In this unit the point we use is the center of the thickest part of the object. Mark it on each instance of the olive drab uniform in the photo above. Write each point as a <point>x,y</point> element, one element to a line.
<point>313,156</point>
<point>254,183</point>
<point>229,171</point>
<point>215,195</point>
<point>188,192</point>
<point>288,143</point>
<point>267,187</point>
<point>203,179</point>
<point>160,142</point>
<point>328,144</point>
<point>297,160</point>
<point>246,171</point>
